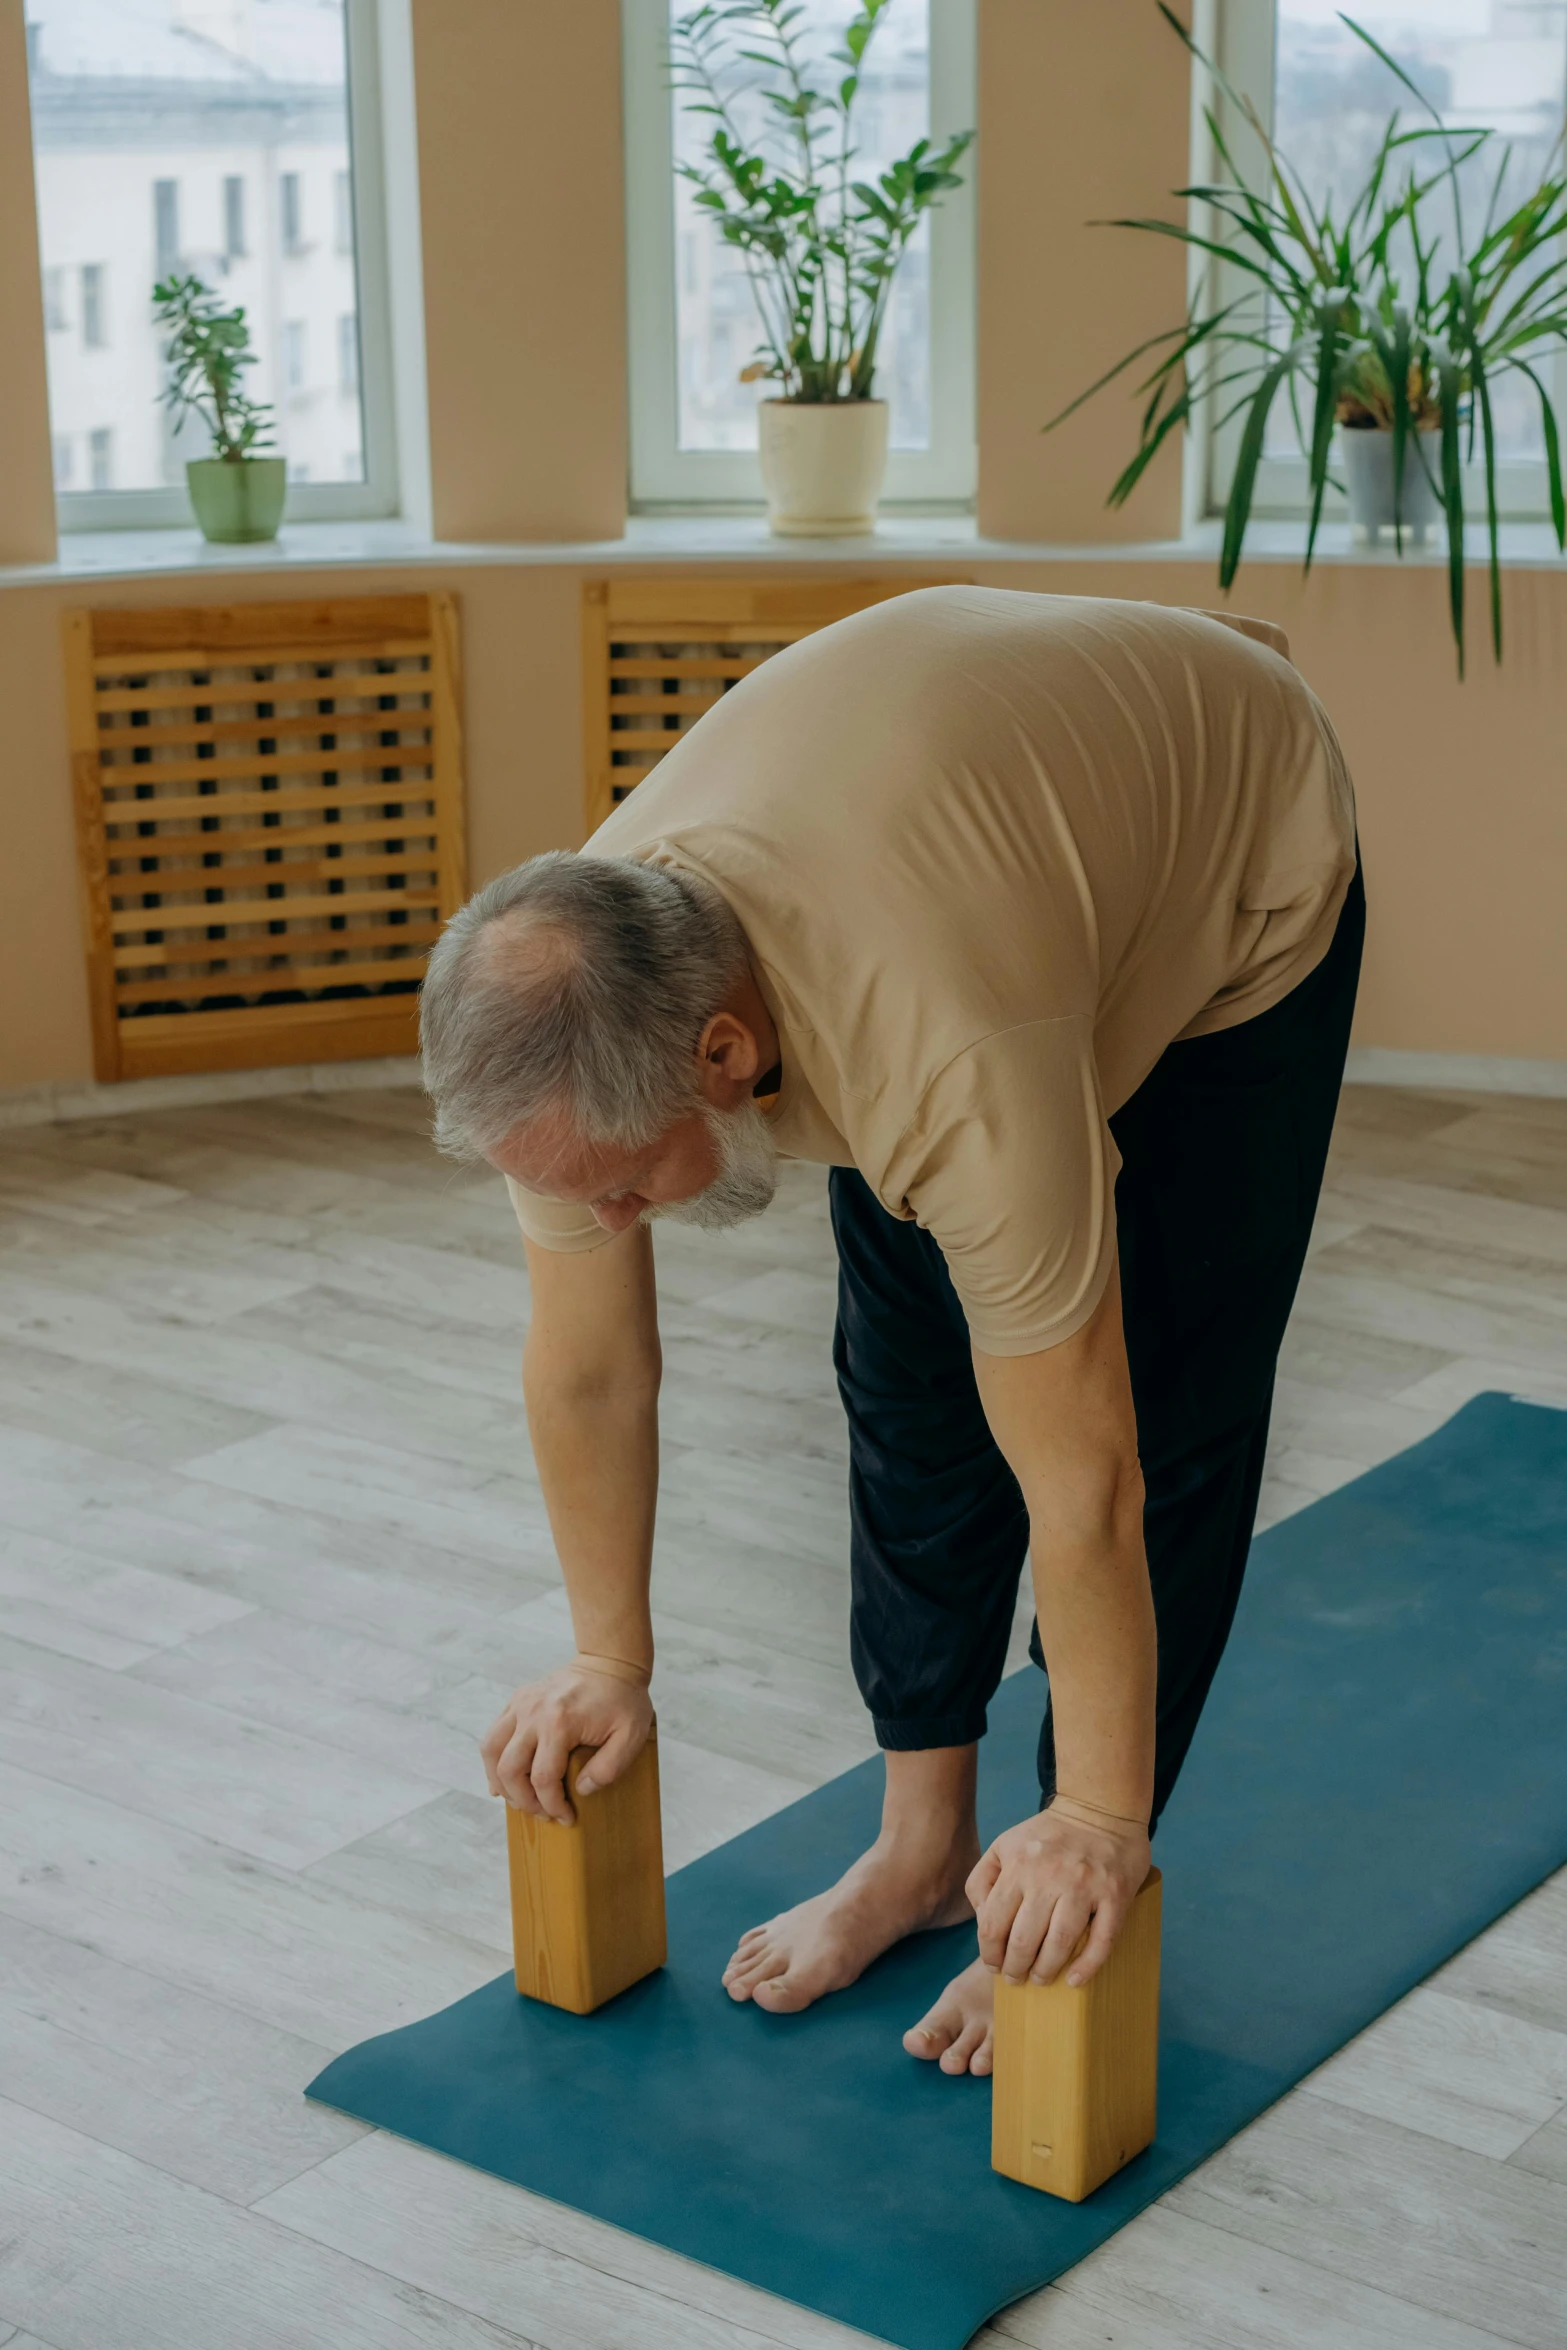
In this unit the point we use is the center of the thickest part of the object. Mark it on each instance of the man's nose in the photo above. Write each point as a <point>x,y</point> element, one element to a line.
<point>616,1215</point>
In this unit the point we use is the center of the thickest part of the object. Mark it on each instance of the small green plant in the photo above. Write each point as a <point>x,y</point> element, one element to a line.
<point>1355,309</point>
<point>820,247</point>
<point>207,352</point>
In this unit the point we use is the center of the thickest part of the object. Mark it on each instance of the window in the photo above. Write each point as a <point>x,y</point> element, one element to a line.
<point>145,163</point>
<point>693,326</point>
<point>233,217</point>
<point>166,226</point>
<point>94,328</point>
<point>292,208</point>
<point>342,212</point>
<point>347,353</point>
<point>64,460</point>
<point>55,318</point>
<point>1496,63</point>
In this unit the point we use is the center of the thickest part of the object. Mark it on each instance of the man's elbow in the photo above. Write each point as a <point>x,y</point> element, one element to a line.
<point>615,1385</point>
<point>1092,1509</point>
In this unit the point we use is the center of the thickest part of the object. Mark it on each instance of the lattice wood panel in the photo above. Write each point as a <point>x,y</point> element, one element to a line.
<point>658,652</point>
<point>269,813</point>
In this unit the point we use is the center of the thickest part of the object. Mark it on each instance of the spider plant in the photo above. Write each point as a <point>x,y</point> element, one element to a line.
<point>820,247</point>
<point>1351,311</point>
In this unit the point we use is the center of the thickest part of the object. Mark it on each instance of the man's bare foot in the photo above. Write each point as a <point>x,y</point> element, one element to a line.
<point>899,1887</point>
<point>957,2030</point>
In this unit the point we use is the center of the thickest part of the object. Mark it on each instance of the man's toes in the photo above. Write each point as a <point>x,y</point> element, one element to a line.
<point>958,2058</point>
<point>983,2059</point>
<point>748,1968</point>
<point>781,1994</point>
<point>930,2037</point>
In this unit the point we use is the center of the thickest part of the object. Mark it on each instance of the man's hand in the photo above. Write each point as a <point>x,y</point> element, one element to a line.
<point>526,1753</point>
<point>1044,1883</point>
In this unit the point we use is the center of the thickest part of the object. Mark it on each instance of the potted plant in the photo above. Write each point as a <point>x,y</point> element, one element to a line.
<point>1389,350</point>
<point>237,493</point>
<point>821,249</point>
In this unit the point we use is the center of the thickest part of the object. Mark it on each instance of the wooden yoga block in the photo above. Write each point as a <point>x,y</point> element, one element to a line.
<point>587,1902</point>
<point>1076,2071</point>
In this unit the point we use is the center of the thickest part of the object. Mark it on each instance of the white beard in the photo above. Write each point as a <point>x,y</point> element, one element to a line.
<point>747,1176</point>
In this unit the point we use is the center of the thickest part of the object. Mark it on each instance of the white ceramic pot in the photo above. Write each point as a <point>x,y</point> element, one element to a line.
<point>822,466</point>
<point>1368,477</point>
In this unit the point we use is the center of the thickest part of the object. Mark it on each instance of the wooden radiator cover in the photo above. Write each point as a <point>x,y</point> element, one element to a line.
<point>658,652</point>
<point>269,813</point>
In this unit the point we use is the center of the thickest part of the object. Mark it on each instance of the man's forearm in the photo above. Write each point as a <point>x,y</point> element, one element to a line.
<point>1096,1626</point>
<point>597,1455</point>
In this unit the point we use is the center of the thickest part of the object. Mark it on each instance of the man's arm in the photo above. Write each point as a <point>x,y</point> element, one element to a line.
<point>1064,1421</point>
<point>590,1374</point>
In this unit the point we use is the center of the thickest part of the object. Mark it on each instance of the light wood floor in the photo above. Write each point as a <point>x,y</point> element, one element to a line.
<point>272,1553</point>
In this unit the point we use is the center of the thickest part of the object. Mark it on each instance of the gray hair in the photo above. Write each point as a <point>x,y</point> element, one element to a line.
<point>576,985</point>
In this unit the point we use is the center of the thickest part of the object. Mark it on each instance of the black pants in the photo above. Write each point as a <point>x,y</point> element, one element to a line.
<point>1222,1150</point>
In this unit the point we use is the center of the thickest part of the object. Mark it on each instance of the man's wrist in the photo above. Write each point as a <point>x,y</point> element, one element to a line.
<point>614,1668</point>
<point>1098,1815</point>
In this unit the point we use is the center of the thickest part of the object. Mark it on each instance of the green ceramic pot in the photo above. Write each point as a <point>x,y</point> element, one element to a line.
<point>237,499</point>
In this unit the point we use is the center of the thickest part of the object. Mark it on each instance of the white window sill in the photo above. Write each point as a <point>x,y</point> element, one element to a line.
<point>944,540</point>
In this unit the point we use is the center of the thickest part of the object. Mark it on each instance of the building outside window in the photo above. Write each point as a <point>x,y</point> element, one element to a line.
<point>348,352</point>
<point>95,331</point>
<point>1500,64</point>
<point>291,204</point>
<point>342,212</point>
<point>169,134</point>
<point>234,246</point>
<point>166,225</point>
<point>56,316</point>
<point>64,461</point>
<point>693,319</point>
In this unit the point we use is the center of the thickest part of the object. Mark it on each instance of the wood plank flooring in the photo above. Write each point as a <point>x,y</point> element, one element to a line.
<point>271,1553</point>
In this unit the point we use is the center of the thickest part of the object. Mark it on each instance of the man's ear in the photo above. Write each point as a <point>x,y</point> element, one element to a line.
<point>729,1058</point>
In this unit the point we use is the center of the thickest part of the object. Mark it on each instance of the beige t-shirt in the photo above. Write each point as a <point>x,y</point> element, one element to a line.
<point>993,852</point>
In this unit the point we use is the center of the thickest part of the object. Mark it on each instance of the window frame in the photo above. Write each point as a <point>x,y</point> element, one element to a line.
<point>668,479</point>
<point>377,495</point>
<point>1241,37</point>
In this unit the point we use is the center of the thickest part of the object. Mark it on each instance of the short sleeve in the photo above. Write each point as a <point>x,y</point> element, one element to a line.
<point>1011,1168</point>
<point>1261,632</point>
<point>552,1224</point>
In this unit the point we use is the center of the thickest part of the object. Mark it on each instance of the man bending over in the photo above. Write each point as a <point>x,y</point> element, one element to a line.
<point>1037,919</point>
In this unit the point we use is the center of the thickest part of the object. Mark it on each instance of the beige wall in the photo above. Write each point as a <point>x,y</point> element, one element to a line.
<point>1084,116</point>
<point>522,211</point>
<point>1464,815</point>
<point>26,470</point>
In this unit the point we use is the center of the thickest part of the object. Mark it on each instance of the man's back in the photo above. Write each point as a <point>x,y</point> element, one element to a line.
<point>992,853</point>
<point>1001,807</point>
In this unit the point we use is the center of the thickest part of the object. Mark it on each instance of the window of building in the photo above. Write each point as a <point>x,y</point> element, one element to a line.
<point>64,460</point>
<point>1500,64</point>
<point>347,353</point>
<point>292,207</point>
<point>234,247</point>
<point>158,149</point>
<point>166,226</point>
<point>342,212</point>
<point>95,328</point>
<point>56,316</point>
<point>693,322</point>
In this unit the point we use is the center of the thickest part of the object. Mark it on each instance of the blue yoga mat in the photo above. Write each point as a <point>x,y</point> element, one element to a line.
<point>1381,1770</point>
